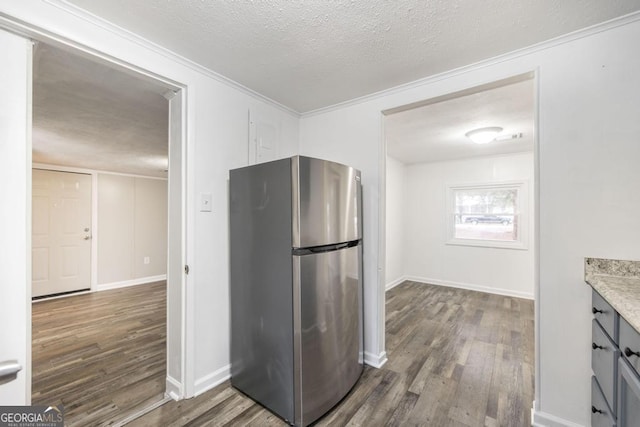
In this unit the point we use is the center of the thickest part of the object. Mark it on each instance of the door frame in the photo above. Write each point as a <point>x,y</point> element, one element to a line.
<point>177,384</point>
<point>534,240</point>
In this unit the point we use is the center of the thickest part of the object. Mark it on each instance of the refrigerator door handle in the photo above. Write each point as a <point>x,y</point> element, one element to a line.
<point>324,248</point>
<point>328,248</point>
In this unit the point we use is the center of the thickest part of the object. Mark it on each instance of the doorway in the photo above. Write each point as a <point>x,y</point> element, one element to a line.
<point>83,125</point>
<point>462,214</point>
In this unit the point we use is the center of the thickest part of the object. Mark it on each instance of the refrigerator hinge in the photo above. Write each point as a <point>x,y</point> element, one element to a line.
<point>186,269</point>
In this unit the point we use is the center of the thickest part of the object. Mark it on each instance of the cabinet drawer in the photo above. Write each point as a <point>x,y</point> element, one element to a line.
<point>630,344</point>
<point>604,355</point>
<point>601,415</point>
<point>606,315</point>
<point>629,394</point>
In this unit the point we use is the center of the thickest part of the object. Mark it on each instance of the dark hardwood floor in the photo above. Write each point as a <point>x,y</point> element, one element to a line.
<point>102,355</point>
<point>456,358</point>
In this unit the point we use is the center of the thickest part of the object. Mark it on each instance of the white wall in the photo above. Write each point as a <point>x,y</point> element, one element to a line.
<point>428,258</point>
<point>588,100</point>
<point>395,223</point>
<point>132,225</point>
<point>217,136</point>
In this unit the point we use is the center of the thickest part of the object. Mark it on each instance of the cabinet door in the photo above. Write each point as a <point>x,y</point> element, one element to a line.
<point>601,415</point>
<point>629,395</point>
<point>604,362</point>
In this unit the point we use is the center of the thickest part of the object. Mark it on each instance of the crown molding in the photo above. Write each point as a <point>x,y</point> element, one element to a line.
<point>556,41</point>
<point>141,41</point>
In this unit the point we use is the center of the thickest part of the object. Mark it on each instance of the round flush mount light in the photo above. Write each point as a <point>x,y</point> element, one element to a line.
<point>483,135</point>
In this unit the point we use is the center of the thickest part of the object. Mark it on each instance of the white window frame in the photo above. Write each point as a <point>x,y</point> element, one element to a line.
<point>521,210</point>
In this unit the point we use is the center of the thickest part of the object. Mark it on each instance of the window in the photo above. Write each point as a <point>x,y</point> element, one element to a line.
<point>487,215</point>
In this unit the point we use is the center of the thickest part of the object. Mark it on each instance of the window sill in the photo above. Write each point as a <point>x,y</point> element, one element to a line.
<point>495,244</point>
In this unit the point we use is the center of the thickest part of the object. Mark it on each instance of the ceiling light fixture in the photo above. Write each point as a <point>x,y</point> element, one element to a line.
<point>483,135</point>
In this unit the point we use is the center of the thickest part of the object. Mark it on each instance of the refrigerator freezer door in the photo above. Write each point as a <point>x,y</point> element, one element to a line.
<point>326,202</point>
<point>327,330</point>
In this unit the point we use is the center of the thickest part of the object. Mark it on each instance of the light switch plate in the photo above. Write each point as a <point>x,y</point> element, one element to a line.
<point>205,202</point>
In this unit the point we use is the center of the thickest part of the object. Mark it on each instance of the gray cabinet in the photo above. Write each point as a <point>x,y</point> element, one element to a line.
<point>615,361</point>
<point>604,362</point>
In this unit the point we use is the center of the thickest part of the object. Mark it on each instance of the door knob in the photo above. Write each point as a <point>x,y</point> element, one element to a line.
<point>628,352</point>
<point>9,368</point>
<point>87,237</point>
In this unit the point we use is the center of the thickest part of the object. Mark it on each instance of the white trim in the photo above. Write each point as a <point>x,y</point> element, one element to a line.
<point>132,282</point>
<point>394,283</point>
<point>536,237</point>
<point>557,41</point>
<point>375,360</point>
<point>36,33</point>
<point>72,169</point>
<point>471,287</point>
<point>173,388</point>
<point>381,298</point>
<point>211,380</point>
<point>543,419</point>
<point>134,38</point>
<point>29,228</point>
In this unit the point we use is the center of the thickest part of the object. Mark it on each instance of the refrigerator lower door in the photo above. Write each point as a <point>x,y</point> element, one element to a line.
<point>328,341</point>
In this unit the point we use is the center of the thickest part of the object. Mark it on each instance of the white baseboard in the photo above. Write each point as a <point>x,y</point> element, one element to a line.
<point>375,360</point>
<point>543,419</point>
<point>133,282</point>
<point>394,283</point>
<point>213,379</point>
<point>472,287</point>
<point>173,388</point>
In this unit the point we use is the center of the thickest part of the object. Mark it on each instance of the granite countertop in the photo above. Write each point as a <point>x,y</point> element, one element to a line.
<point>618,282</point>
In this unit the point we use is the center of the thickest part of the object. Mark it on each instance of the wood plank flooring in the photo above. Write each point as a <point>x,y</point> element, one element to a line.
<point>102,355</point>
<point>456,358</point>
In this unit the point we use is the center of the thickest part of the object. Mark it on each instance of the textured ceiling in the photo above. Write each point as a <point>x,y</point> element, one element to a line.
<point>90,116</point>
<point>436,132</point>
<point>309,54</point>
<point>305,55</point>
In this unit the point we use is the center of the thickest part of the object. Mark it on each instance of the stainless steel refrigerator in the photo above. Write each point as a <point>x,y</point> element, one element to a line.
<point>296,284</point>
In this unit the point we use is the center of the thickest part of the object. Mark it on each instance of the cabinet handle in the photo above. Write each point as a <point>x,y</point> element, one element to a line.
<point>595,410</point>
<point>596,346</point>
<point>596,311</point>
<point>628,352</point>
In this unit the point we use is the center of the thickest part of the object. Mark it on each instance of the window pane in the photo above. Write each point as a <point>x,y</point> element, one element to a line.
<point>486,213</point>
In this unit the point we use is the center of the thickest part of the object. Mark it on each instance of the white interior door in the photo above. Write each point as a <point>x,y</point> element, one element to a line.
<point>61,244</point>
<point>15,226</point>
